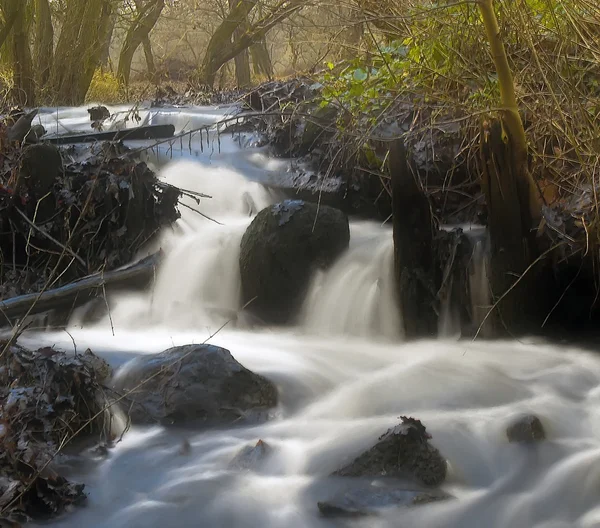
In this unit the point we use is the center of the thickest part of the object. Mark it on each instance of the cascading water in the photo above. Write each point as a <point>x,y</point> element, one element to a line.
<point>356,296</point>
<point>340,388</point>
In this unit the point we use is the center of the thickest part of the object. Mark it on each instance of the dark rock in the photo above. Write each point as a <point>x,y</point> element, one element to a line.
<point>35,134</point>
<point>251,457</point>
<point>403,452</point>
<point>98,113</point>
<point>527,429</point>
<point>193,385</point>
<point>280,250</point>
<point>367,499</point>
<point>19,130</point>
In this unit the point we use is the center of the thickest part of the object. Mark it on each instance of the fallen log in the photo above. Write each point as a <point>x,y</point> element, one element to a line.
<point>138,133</point>
<point>77,293</point>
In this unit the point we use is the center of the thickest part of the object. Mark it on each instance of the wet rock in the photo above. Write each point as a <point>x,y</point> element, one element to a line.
<point>403,452</point>
<point>98,113</point>
<point>193,385</point>
<point>280,250</point>
<point>527,429</point>
<point>20,129</point>
<point>368,499</point>
<point>251,457</point>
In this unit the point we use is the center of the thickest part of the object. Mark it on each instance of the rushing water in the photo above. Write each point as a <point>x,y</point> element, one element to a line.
<point>344,377</point>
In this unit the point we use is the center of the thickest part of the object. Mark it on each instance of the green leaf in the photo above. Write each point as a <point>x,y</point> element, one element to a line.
<point>360,75</point>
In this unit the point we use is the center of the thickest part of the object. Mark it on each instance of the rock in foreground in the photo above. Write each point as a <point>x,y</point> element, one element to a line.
<point>281,248</point>
<point>526,430</point>
<point>403,452</point>
<point>193,385</point>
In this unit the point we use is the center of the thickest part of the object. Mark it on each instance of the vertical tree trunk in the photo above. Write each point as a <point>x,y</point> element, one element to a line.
<point>105,62</point>
<point>261,59</point>
<point>242,60</point>
<point>413,247</point>
<point>149,55</point>
<point>44,42</point>
<point>512,198</point>
<point>139,30</point>
<point>79,49</point>
<point>17,40</point>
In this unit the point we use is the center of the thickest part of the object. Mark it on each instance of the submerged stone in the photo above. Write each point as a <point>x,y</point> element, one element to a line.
<point>251,457</point>
<point>369,499</point>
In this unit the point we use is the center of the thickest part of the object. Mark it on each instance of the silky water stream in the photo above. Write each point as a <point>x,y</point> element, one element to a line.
<point>344,377</point>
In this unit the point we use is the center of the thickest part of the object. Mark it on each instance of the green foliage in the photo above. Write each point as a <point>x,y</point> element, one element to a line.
<point>364,87</point>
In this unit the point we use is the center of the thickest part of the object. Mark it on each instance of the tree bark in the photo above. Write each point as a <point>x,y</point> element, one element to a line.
<point>513,203</point>
<point>149,55</point>
<point>261,59</point>
<point>220,48</point>
<point>242,59</point>
<point>137,34</point>
<point>413,247</point>
<point>10,17</point>
<point>79,49</point>
<point>17,40</point>
<point>44,43</point>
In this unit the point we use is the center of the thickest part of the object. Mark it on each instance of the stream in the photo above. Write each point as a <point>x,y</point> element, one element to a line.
<point>343,373</point>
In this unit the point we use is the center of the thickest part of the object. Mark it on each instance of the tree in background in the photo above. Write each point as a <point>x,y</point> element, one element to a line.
<point>147,14</point>
<point>231,38</point>
<point>17,21</point>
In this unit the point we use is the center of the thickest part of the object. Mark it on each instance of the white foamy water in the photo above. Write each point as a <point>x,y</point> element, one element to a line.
<point>344,376</point>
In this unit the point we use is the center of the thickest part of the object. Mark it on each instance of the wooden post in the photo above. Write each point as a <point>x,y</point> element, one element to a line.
<point>413,247</point>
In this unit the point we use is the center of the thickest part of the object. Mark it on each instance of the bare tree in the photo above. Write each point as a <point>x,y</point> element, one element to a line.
<point>137,34</point>
<point>221,49</point>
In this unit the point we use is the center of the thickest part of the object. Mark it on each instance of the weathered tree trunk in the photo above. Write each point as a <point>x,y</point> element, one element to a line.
<point>512,198</point>
<point>137,34</point>
<point>105,61</point>
<point>149,55</point>
<point>10,17</point>
<point>261,59</point>
<point>242,59</point>
<point>44,42</point>
<point>79,49</point>
<point>17,40</point>
<point>413,247</point>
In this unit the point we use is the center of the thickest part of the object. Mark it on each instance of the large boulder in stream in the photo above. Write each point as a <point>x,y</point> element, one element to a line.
<point>193,385</point>
<point>402,452</point>
<point>282,248</point>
